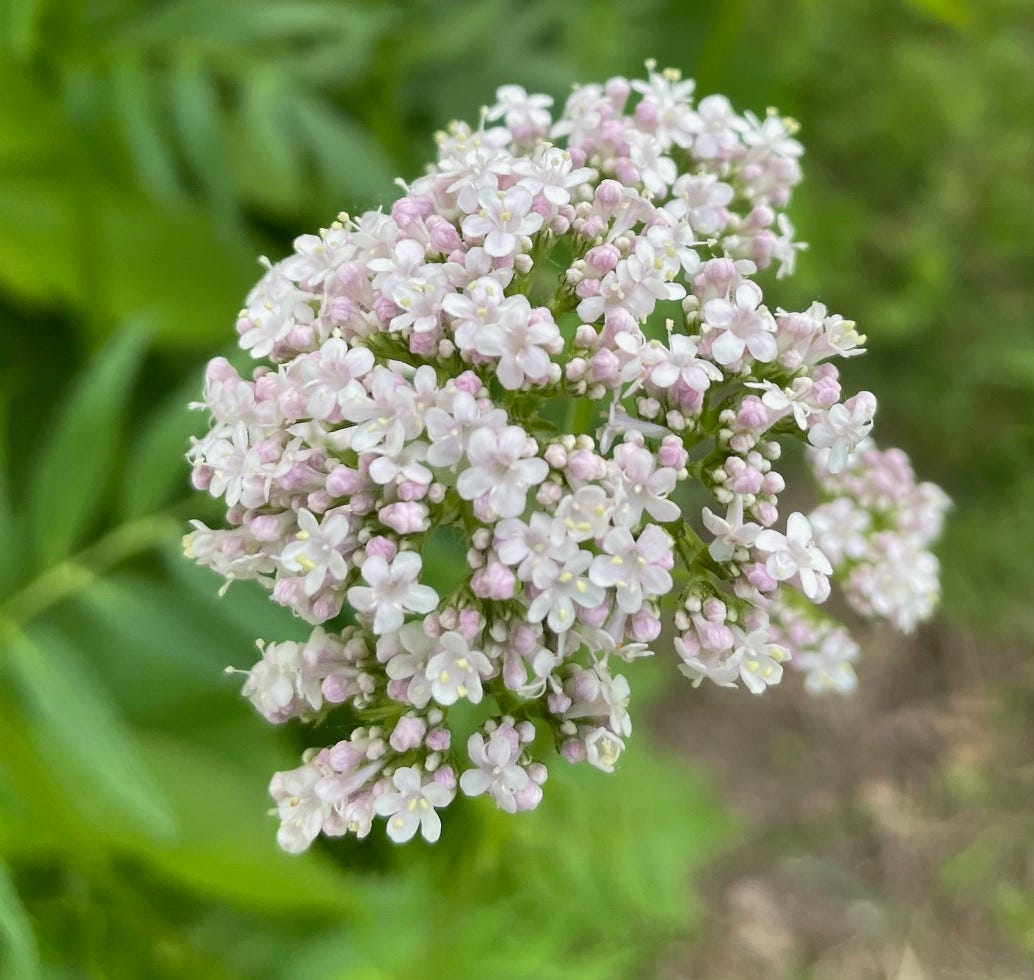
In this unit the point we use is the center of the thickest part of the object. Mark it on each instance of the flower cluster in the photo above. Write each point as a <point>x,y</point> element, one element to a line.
<point>554,349</point>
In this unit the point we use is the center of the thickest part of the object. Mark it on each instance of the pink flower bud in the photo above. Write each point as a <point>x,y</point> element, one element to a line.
<point>515,673</point>
<point>438,739</point>
<point>528,797</point>
<point>381,547</point>
<point>410,490</point>
<point>609,195</point>
<point>494,581</point>
<point>343,481</point>
<point>573,750</point>
<point>408,734</point>
<point>672,453</point>
<point>405,517</point>
<point>469,623</point>
<point>645,628</point>
<point>444,776</point>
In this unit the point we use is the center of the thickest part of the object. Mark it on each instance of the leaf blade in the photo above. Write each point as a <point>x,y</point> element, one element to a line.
<point>83,445</point>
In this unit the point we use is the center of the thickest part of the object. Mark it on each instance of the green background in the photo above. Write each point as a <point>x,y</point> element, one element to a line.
<point>148,153</point>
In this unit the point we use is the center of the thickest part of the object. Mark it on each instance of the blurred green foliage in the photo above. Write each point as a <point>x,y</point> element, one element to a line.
<point>148,152</point>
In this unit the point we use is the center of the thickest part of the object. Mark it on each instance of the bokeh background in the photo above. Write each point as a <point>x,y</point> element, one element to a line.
<point>149,151</point>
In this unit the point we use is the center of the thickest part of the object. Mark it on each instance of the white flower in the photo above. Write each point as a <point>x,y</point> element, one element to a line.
<point>302,812</point>
<point>500,468</point>
<point>411,806</point>
<point>393,591</point>
<point>640,487</point>
<point>743,324</point>
<point>315,549</point>
<point>537,548</point>
<point>330,377</point>
<point>730,533</point>
<point>518,109</point>
<point>795,553</point>
<point>603,748</point>
<point>522,339</point>
<point>455,671</point>
<point>504,218</point>
<point>842,428</point>
<point>497,772</point>
<point>549,173</point>
<point>567,588</point>
<point>635,569</point>
<point>586,513</point>
<point>760,661</point>
<point>679,362</point>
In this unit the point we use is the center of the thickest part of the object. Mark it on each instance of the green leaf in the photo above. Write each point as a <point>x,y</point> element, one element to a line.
<point>954,13</point>
<point>156,471</point>
<point>74,468</point>
<point>138,103</point>
<point>18,954</point>
<point>73,717</point>
<point>350,162</point>
<point>227,848</point>
<point>36,220</point>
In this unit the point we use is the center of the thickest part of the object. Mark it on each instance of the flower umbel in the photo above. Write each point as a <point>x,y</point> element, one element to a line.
<point>408,367</point>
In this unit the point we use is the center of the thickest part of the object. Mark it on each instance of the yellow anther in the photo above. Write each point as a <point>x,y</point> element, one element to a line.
<point>463,663</point>
<point>424,805</point>
<point>444,677</point>
<point>752,666</point>
<point>565,577</point>
<point>411,805</point>
<point>617,560</point>
<point>461,690</point>
<point>302,536</point>
<point>581,586</point>
<point>307,564</point>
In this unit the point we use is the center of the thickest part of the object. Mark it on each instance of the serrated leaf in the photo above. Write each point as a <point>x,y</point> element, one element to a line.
<point>19,956</point>
<point>72,716</point>
<point>77,459</point>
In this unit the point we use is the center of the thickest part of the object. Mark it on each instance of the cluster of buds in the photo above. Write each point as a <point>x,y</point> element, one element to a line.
<point>553,349</point>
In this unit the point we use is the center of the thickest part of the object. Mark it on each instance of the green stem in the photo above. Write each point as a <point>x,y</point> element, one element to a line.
<point>77,572</point>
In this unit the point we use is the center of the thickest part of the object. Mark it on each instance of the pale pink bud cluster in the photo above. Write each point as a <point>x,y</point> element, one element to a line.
<point>528,355</point>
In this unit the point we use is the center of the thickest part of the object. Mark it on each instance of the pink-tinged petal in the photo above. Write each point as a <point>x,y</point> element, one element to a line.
<point>361,598</point>
<point>421,599</point>
<point>748,295</point>
<point>403,825</point>
<point>727,349</point>
<point>474,782</point>
<point>472,483</point>
<point>387,804</point>
<point>375,570</point>
<point>509,373</point>
<point>387,619</point>
<point>431,826</point>
<point>763,347</point>
<point>664,375</point>
<point>438,795</point>
<point>407,780</point>
<point>499,244</point>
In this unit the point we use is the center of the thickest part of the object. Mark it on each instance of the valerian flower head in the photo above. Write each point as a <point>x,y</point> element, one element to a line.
<point>519,364</point>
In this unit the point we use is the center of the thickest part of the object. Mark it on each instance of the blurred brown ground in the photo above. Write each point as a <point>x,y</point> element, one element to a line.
<point>883,835</point>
